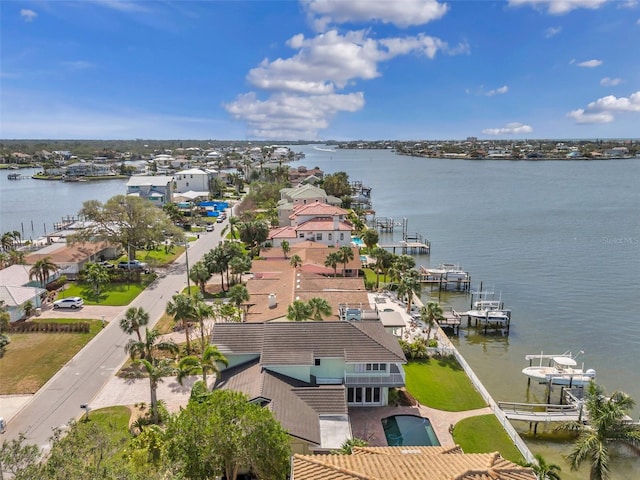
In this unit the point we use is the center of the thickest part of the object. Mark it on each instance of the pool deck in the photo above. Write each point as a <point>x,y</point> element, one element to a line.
<point>366,422</point>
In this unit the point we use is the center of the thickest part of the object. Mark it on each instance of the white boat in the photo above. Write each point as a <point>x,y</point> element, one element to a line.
<point>449,271</point>
<point>561,370</point>
<point>489,311</point>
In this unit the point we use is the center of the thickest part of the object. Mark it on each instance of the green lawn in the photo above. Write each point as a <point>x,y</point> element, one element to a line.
<point>32,359</point>
<point>114,294</point>
<point>484,434</point>
<point>442,384</point>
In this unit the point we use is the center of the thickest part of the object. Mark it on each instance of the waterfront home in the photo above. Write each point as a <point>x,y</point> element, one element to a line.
<point>407,463</point>
<point>301,195</point>
<point>315,222</point>
<point>275,284</point>
<point>158,189</point>
<point>303,175</point>
<point>16,289</point>
<point>71,258</point>
<point>309,373</point>
<point>84,169</point>
<point>194,179</point>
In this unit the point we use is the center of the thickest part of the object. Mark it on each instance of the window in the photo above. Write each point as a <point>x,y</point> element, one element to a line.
<point>318,236</point>
<point>302,235</point>
<point>330,236</point>
<point>342,236</point>
<point>364,395</point>
<point>317,362</point>
<point>375,367</point>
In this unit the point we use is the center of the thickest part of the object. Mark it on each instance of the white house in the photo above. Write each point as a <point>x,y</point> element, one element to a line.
<point>156,188</point>
<point>16,289</point>
<point>193,180</point>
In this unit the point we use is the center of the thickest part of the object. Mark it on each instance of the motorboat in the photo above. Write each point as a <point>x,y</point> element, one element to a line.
<point>561,370</point>
<point>449,271</point>
<point>488,311</point>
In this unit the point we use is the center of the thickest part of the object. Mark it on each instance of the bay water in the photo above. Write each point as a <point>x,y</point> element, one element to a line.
<point>558,241</point>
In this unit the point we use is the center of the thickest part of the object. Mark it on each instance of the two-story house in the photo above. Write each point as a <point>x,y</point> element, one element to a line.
<point>315,222</point>
<point>158,189</point>
<point>301,195</point>
<point>310,373</point>
<point>193,180</point>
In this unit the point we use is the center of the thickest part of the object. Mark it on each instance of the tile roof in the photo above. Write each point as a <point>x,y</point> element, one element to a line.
<point>317,208</point>
<point>70,253</point>
<point>324,224</point>
<point>409,464</point>
<point>295,404</point>
<point>299,343</point>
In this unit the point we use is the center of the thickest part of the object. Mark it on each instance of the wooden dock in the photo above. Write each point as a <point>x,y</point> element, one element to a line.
<point>451,320</point>
<point>408,247</point>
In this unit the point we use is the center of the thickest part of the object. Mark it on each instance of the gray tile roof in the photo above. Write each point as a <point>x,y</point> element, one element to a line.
<point>293,343</point>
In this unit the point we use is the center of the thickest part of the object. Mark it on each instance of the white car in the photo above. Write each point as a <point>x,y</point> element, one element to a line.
<point>70,302</point>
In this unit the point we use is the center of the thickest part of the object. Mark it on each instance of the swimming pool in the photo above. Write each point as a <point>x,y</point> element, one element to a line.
<point>357,241</point>
<point>402,430</point>
<point>363,258</point>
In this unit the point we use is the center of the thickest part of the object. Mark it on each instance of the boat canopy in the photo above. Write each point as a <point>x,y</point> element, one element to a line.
<point>565,361</point>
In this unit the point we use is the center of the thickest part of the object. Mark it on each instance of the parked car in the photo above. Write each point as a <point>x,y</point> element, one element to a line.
<point>220,220</point>
<point>209,227</point>
<point>107,264</point>
<point>70,302</point>
<point>133,265</point>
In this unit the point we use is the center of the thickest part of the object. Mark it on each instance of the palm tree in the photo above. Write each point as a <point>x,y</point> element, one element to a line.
<point>182,309</point>
<point>332,260</point>
<point>42,270</point>
<point>202,312</point>
<point>320,308</point>
<point>543,470</point>
<point>430,315</point>
<point>207,362</point>
<point>370,238</point>
<point>346,255</point>
<point>97,276</point>
<point>295,261</point>
<point>200,274</point>
<point>133,319</point>
<point>238,294</point>
<point>409,285</point>
<point>286,248</point>
<point>383,262</point>
<point>607,424</point>
<point>155,372</point>
<point>147,348</point>
<point>298,311</point>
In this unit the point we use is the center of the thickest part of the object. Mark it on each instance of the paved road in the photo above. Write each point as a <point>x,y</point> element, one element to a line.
<point>80,380</point>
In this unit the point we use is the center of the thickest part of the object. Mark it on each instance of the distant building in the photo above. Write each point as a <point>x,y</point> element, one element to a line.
<point>157,189</point>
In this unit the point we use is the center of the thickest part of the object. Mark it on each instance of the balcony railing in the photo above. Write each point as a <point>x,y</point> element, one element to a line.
<point>382,379</point>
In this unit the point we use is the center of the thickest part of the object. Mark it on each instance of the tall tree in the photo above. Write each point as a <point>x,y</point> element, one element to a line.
<point>155,371</point>
<point>42,270</point>
<point>238,294</point>
<point>295,261</point>
<point>409,286</point>
<point>200,274</point>
<point>383,260</point>
<point>253,234</point>
<point>224,433</point>
<point>607,425</point>
<point>346,255</point>
<point>182,309</point>
<point>332,261</point>
<point>430,315</point>
<point>319,307</point>
<point>150,346</point>
<point>202,311</point>
<point>370,238</point>
<point>97,276</point>
<point>133,320</point>
<point>19,458</point>
<point>286,248</point>
<point>127,221</point>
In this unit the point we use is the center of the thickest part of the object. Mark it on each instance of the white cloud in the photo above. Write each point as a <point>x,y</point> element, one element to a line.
<point>497,91</point>
<point>400,13</point>
<point>287,116</point>
<point>513,128</point>
<point>559,7</point>
<point>78,65</point>
<point>610,82</point>
<point>588,64</point>
<point>552,32</point>
<point>603,109</point>
<point>122,5</point>
<point>28,15</point>
<point>313,77</point>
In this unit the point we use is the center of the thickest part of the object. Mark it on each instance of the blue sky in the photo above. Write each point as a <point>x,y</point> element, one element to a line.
<point>320,69</point>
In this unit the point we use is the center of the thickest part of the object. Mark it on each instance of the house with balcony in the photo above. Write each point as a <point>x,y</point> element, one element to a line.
<point>193,180</point>
<point>290,198</point>
<point>310,373</point>
<point>158,189</point>
<point>315,222</point>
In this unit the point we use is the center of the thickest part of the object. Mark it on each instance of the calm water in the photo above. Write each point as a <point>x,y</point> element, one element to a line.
<point>32,206</point>
<point>560,241</point>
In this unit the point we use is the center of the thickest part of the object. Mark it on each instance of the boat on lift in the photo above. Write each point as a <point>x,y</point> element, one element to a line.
<point>560,370</point>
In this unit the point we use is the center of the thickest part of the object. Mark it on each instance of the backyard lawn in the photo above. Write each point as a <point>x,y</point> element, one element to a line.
<point>484,434</point>
<point>32,359</point>
<point>442,384</point>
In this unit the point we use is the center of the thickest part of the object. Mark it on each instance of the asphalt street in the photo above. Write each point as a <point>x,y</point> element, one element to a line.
<point>82,378</point>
